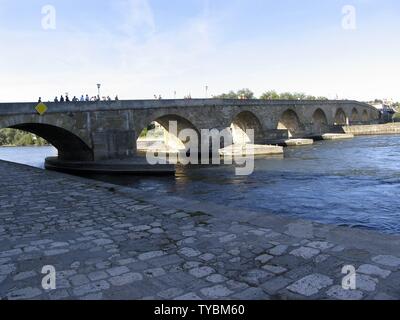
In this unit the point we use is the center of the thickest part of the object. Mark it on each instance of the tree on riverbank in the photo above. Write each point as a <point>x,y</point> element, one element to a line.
<point>273,95</point>
<point>269,95</point>
<point>240,94</point>
<point>18,138</point>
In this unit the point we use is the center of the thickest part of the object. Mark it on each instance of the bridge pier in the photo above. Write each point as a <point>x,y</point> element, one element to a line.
<point>275,136</point>
<point>114,144</point>
<point>115,152</point>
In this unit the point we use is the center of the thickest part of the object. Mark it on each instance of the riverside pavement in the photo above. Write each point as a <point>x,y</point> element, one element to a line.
<point>112,242</point>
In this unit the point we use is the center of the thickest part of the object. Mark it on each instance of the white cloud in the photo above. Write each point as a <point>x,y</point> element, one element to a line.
<point>137,17</point>
<point>52,63</point>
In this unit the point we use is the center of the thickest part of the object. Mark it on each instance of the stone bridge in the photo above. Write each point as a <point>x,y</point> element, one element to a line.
<point>93,131</point>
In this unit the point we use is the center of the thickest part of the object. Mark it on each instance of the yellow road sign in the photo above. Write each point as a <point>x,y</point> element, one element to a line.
<point>41,108</point>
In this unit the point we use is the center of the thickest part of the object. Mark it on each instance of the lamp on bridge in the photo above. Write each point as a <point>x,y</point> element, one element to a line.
<point>98,89</point>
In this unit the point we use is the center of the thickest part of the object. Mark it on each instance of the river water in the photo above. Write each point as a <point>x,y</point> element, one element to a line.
<point>354,183</point>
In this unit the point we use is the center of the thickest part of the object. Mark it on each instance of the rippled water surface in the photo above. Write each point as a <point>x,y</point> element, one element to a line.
<point>32,156</point>
<point>351,182</point>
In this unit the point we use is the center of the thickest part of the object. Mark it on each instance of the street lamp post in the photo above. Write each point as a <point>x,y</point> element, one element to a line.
<point>206,92</point>
<point>98,89</point>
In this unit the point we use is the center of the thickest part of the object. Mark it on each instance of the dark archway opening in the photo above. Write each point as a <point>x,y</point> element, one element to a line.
<point>320,122</point>
<point>69,146</point>
<point>365,116</point>
<point>355,117</point>
<point>341,118</point>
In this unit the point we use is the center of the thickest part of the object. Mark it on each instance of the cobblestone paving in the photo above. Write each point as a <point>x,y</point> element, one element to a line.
<point>109,242</point>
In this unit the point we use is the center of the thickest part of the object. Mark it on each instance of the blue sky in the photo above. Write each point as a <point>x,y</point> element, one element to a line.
<point>138,48</point>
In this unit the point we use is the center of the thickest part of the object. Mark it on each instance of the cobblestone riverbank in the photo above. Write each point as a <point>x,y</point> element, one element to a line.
<point>111,242</point>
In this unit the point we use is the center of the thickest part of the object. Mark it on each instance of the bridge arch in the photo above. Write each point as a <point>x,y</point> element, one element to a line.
<point>319,121</point>
<point>290,121</point>
<point>70,147</point>
<point>365,116</point>
<point>355,116</point>
<point>340,118</point>
<point>247,120</point>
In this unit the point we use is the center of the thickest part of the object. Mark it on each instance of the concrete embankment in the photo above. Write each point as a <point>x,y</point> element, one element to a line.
<point>251,150</point>
<point>298,142</point>
<point>337,136</point>
<point>376,129</point>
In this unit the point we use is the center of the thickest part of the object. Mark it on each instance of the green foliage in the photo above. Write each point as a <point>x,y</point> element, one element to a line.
<point>240,94</point>
<point>144,133</point>
<point>270,95</point>
<point>229,95</point>
<point>151,127</point>
<point>273,95</point>
<point>12,137</point>
<point>396,117</point>
<point>245,94</point>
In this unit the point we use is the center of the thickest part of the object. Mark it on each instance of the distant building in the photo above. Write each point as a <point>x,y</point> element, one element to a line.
<point>386,110</point>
